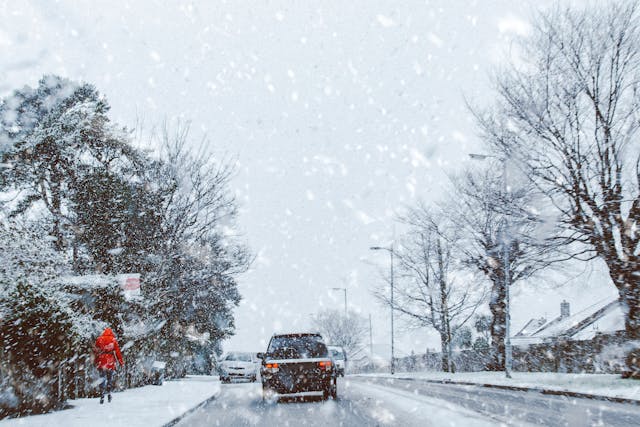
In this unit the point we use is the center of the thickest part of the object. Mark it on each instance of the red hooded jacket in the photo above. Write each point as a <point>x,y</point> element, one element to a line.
<point>106,351</point>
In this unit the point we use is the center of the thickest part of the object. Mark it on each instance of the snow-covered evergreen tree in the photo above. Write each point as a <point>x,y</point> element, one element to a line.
<point>77,181</point>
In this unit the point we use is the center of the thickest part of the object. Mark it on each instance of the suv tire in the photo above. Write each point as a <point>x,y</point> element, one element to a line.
<point>268,394</point>
<point>326,393</point>
<point>330,391</point>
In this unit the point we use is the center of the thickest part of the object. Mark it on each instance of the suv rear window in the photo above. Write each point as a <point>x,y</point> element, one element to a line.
<point>240,357</point>
<point>337,354</point>
<point>297,347</point>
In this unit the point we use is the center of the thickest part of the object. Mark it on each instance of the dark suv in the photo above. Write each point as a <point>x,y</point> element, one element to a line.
<point>298,363</point>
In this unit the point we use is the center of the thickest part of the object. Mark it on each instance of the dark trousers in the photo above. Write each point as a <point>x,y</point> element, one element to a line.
<point>107,376</point>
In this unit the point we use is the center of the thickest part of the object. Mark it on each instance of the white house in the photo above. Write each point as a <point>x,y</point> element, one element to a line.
<point>605,316</point>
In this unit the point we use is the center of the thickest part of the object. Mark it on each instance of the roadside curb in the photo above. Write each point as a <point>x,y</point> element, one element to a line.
<point>180,417</point>
<point>520,388</point>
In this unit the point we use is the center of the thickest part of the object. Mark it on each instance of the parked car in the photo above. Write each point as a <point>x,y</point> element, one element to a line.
<point>157,372</point>
<point>238,365</point>
<point>339,357</point>
<point>298,364</point>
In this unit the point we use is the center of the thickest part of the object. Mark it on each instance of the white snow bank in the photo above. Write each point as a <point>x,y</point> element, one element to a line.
<point>610,385</point>
<point>144,406</point>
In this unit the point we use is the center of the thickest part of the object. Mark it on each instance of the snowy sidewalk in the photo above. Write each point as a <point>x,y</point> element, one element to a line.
<point>595,385</point>
<point>144,406</point>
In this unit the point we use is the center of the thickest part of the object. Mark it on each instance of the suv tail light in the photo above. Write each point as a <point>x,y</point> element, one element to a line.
<point>324,365</point>
<point>272,367</point>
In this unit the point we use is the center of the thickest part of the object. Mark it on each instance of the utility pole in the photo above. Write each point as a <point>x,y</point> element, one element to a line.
<point>393,361</point>
<point>370,338</point>
<point>390,250</point>
<point>345,299</point>
<point>506,241</point>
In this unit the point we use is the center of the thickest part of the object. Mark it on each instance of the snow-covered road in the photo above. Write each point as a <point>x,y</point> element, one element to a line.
<point>370,401</point>
<point>524,408</point>
<point>360,403</point>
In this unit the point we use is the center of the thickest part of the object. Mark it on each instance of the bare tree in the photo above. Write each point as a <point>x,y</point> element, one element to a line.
<point>201,253</point>
<point>568,108</point>
<point>478,208</point>
<point>200,203</point>
<point>349,332</point>
<point>429,292</point>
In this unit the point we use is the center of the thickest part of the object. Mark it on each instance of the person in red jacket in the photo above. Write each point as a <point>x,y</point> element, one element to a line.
<point>107,353</point>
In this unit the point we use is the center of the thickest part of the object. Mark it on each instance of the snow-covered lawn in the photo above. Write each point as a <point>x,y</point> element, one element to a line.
<point>144,406</point>
<point>598,384</point>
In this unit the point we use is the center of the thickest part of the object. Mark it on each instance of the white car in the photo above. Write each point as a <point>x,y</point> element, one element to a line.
<point>339,357</point>
<point>238,365</point>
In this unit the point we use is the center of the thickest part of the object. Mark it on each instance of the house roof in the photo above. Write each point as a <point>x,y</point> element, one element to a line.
<point>611,319</point>
<point>531,326</point>
<point>604,316</point>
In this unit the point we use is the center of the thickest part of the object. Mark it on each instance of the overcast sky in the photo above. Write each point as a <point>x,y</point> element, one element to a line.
<point>339,114</point>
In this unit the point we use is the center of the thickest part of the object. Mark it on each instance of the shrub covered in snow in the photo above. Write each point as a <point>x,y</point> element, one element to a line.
<point>38,334</point>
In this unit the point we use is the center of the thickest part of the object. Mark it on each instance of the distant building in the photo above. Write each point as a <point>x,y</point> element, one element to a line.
<point>605,316</point>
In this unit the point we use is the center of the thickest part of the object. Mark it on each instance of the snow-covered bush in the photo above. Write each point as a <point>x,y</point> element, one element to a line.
<point>36,330</point>
<point>37,335</point>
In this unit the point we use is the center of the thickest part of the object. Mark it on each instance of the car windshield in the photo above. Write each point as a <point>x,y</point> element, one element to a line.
<point>337,354</point>
<point>239,357</point>
<point>297,347</point>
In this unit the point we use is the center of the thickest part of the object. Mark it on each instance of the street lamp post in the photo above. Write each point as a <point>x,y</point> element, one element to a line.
<point>345,298</point>
<point>390,250</point>
<point>505,265</point>
<point>370,338</point>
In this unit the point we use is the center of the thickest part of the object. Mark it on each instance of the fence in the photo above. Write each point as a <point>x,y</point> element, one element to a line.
<point>603,354</point>
<point>79,378</point>
<point>24,392</point>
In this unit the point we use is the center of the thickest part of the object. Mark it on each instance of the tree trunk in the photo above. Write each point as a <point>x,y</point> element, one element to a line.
<point>56,210</point>
<point>626,277</point>
<point>444,343</point>
<point>445,328</point>
<point>57,231</point>
<point>498,322</point>
<point>628,284</point>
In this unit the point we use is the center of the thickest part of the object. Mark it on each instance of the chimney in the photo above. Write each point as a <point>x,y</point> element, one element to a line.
<point>564,309</point>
